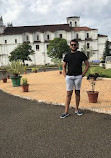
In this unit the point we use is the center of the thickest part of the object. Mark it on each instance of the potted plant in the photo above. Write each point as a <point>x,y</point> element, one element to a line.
<point>4,74</point>
<point>15,68</point>
<point>93,95</point>
<point>25,70</point>
<point>60,67</point>
<point>35,69</point>
<point>8,76</point>
<point>4,80</point>
<point>25,85</point>
<point>44,68</point>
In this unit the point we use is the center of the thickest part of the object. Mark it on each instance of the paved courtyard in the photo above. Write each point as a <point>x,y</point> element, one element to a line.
<point>50,87</point>
<point>32,129</point>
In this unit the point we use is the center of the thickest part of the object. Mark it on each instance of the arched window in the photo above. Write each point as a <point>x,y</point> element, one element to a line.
<point>88,45</point>
<point>37,37</point>
<point>87,35</point>
<point>48,37</point>
<point>70,23</point>
<point>75,24</point>
<point>37,47</point>
<point>27,38</point>
<point>60,35</point>
<point>77,36</point>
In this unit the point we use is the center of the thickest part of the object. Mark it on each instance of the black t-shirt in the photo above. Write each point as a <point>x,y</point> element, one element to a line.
<point>74,61</point>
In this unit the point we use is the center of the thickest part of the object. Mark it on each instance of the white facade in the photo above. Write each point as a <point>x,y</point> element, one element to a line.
<point>39,37</point>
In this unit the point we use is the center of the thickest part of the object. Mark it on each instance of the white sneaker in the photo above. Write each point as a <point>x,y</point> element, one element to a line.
<point>64,115</point>
<point>78,113</point>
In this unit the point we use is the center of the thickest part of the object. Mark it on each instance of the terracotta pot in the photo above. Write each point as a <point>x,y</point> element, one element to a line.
<point>4,80</point>
<point>93,96</point>
<point>8,77</point>
<point>25,88</point>
<point>44,70</point>
<point>60,72</point>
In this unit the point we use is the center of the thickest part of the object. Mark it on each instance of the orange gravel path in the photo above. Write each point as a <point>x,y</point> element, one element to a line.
<point>50,87</point>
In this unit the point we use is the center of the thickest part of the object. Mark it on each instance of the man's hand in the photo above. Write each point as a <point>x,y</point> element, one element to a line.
<point>86,68</point>
<point>64,69</point>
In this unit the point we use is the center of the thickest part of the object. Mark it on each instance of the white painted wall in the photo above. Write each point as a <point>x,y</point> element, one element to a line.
<point>40,57</point>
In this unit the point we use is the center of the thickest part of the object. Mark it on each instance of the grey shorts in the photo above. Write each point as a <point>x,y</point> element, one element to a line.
<point>73,81</point>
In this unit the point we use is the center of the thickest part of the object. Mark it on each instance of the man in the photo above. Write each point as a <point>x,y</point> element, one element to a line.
<point>74,75</point>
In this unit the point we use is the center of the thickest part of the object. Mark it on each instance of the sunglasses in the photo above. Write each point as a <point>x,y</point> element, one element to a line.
<point>73,44</point>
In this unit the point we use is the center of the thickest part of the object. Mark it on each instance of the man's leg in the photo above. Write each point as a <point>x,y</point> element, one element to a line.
<point>69,87</point>
<point>67,101</point>
<point>78,81</point>
<point>77,98</point>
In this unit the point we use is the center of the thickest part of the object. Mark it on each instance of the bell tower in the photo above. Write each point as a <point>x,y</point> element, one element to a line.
<point>74,21</point>
<point>2,26</point>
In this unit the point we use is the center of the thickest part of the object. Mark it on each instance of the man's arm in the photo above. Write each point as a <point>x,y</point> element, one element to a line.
<point>64,68</point>
<point>86,67</point>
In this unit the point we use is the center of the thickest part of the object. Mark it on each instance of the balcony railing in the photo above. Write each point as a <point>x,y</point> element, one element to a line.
<point>26,41</point>
<point>38,41</point>
<point>47,41</point>
<point>78,39</point>
<point>88,39</point>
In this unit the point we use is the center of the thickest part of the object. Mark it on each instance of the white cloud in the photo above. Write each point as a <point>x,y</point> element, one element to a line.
<point>95,14</point>
<point>11,10</point>
<point>41,6</point>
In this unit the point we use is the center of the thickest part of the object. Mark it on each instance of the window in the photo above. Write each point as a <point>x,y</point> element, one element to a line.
<point>47,37</point>
<point>15,40</point>
<point>47,46</point>
<point>87,35</point>
<point>60,35</point>
<point>75,24</point>
<point>5,41</point>
<point>37,37</point>
<point>37,47</point>
<point>27,38</point>
<point>71,24</point>
<point>77,36</point>
<point>88,54</point>
<point>88,45</point>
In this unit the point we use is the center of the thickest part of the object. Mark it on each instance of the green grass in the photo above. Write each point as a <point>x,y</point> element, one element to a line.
<point>101,71</point>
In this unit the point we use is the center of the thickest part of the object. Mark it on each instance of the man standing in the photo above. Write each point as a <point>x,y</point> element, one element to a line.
<point>74,75</point>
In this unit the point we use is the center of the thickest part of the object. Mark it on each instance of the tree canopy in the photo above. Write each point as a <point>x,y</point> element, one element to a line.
<point>21,52</point>
<point>57,47</point>
<point>107,51</point>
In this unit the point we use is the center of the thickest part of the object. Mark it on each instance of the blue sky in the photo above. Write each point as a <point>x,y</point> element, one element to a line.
<point>94,14</point>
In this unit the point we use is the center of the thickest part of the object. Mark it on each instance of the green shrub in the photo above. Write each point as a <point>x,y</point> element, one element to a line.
<point>35,69</point>
<point>101,71</point>
<point>15,67</point>
<point>24,81</point>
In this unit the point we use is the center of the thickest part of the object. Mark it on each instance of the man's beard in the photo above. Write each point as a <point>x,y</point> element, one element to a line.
<point>74,49</point>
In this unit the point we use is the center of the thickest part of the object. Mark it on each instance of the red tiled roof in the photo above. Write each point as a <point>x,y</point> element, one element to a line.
<point>77,29</point>
<point>44,28</point>
<point>102,35</point>
<point>31,29</point>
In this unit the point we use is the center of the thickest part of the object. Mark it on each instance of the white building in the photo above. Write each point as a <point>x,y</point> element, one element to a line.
<point>39,37</point>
